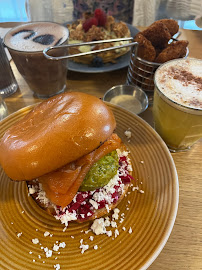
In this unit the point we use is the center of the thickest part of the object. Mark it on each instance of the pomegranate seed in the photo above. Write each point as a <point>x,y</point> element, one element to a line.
<point>82,196</point>
<point>84,209</point>
<point>102,204</point>
<point>115,195</point>
<point>74,206</point>
<point>125,179</point>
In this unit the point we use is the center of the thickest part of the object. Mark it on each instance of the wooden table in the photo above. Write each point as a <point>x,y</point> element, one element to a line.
<point>184,247</point>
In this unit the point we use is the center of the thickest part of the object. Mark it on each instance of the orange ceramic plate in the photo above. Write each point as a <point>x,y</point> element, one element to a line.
<point>150,215</point>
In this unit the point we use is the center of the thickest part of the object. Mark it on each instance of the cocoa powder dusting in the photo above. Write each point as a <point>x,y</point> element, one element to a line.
<point>185,77</point>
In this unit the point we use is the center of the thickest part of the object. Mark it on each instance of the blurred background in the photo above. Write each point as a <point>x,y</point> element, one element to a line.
<point>188,13</point>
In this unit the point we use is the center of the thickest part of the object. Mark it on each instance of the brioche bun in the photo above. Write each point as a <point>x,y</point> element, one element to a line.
<point>56,132</point>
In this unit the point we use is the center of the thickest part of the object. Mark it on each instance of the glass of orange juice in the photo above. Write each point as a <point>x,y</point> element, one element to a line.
<point>177,107</point>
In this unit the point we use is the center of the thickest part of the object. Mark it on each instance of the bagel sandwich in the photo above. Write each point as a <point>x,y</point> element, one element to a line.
<point>76,167</point>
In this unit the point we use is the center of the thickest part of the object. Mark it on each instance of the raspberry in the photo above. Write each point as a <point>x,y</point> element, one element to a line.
<point>89,22</point>
<point>101,16</point>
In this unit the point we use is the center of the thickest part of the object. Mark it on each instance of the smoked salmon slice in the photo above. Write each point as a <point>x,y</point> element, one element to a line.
<point>62,185</point>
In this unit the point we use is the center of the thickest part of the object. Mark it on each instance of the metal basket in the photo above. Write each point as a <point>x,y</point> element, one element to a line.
<point>141,72</point>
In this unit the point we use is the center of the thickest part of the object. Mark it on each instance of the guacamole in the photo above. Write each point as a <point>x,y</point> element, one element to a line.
<point>101,172</point>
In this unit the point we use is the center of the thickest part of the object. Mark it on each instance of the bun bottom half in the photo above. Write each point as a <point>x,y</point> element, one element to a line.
<point>51,210</point>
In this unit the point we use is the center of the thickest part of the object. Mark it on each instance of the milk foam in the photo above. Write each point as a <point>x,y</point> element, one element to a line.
<point>181,81</point>
<point>17,41</point>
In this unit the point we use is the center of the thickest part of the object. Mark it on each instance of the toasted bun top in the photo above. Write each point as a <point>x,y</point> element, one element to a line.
<point>56,132</point>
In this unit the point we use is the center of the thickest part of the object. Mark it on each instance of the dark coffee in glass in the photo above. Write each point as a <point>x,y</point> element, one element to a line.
<point>26,43</point>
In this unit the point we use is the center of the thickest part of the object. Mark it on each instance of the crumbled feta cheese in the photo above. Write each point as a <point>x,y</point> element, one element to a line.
<point>124,228</point>
<point>130,230</point>
<point>95,247</point>
<point>83,247</point>
<point>109,233</point>
<point>94,204</point>
<point>57,266</point>
<point>41,196</point>
<point>121,220</point>
<point>35,241</point>
<point>65,218</point>
<point>30,252</point>
<point>32,190</point>
<point>107,208</point>
<point>107,222</point>
<point>19,234</point>
<point>62,245</point>
<point>113,224</point>
<point>46,234</point>
<point>55,247</point>
<point>116,213</point>
<point>48,252</point>
<point>98,226</point>
<point>91,238</point>
<point>116,233</point>
<point>128,134</point>
<point>141,191</point>
<point>130,168</point>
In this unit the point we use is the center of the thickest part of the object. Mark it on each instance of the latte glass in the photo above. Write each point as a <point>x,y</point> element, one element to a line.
<point>177,107</point>
<point>26,44</point>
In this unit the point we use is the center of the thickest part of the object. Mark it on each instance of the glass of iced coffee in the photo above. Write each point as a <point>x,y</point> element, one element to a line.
<point>26,44</point>
<point>177,107</point>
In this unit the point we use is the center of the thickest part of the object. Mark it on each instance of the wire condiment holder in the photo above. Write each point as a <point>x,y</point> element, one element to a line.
<point>141,72</point>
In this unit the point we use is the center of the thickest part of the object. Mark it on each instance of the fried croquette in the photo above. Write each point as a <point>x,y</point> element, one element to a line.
<point>174,50</point>
<point>172,25</point>
<point>158,34</point>
<point>145,49</point>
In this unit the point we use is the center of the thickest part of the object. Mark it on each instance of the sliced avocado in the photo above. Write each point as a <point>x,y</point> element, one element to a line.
<point>101,172</point>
